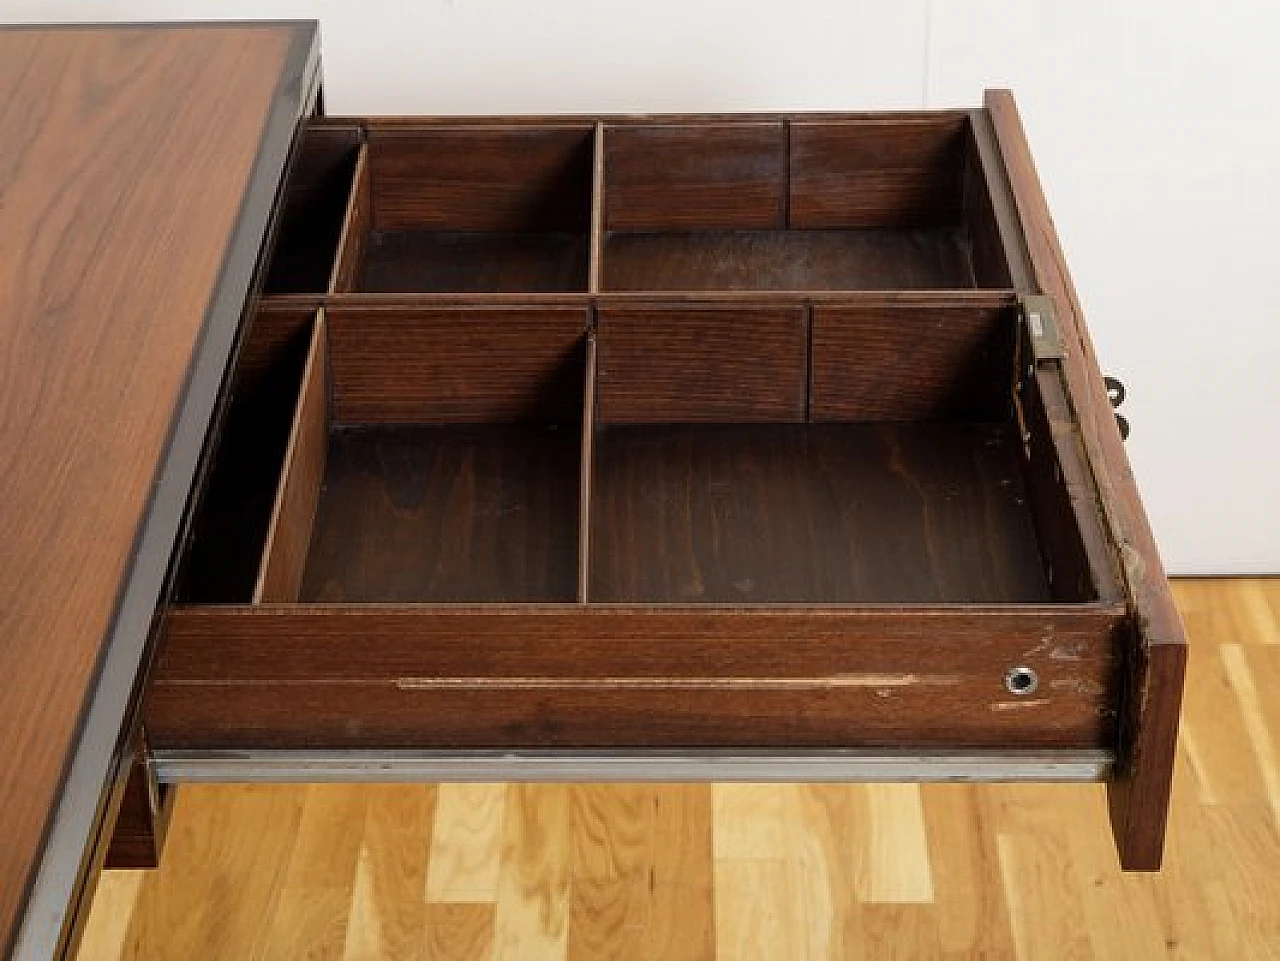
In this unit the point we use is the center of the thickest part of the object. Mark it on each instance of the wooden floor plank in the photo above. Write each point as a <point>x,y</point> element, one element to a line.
<point>466,841</point>
<point>531,920</point>
<point>898,870</point>
<point>459,932</point>
<point>388,914</point>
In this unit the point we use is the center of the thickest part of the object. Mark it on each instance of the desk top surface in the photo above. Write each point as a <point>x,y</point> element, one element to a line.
<point>127,158</point>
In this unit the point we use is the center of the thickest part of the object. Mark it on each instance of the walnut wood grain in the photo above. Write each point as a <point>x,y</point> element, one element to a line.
<point>456,365</point>
<point>679,363</point>
<point>875,173</point>
<point>812,513</point>
<point>125,155</point>
<point>283,677</point>
<point>911,363</point>
<point>504,177</point>
<point>455,513</point>
<point>705,176</point>
<point>1156,659</point>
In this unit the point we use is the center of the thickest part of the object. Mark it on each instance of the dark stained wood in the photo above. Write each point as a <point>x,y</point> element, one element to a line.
<point>893,362</point>
<point>356,226</point>
<point>1062,498</point>
<point>832,513</point>
<point>1155,660</point>
<point>863,259</point>
<point>596,244</point>
<point>498,178</point>
<point>285,555</point>
<point>105,280</point>
<point>405,261</point>
<point>876,173</point>
<point>456,365</point>
<point>457,514</point>
<point>314,211</point>
<point>223,553</point>
<point>679,363</point>
<point>143,821</point>
<point>293,677</point>
<point>746,118</point>
<point>986,245</point>
<point>706,176</point>
<point>469,209</point>
<point>586,471</point>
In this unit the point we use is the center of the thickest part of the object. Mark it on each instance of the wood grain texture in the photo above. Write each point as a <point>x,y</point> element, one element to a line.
<point>459,514</point>
<point>1019,872</point>
<point>284,557</point>
<point>876,173</point>
<point>461,365</point>
<point>386,676</point>
<point>1157,662</point>
<point>678,363</point>
<point>911,363</point>
<point>882,258</point>
<point>104,284</point>
<point>466,843</point>
<point>501,178</point>
<point>708,176</point>
<point>818,514</point>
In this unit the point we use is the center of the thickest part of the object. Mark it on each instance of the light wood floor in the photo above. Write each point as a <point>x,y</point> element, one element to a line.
<point>743,871</point>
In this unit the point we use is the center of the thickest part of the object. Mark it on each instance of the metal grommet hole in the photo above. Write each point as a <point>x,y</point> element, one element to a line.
<point>1021,680</point>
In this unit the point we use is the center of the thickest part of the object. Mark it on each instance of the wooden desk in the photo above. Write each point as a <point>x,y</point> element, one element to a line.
<point>601,447</point>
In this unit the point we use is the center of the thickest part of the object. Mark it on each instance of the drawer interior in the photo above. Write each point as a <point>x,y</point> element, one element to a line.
<point>872,202</point>
<point>621,432</point>
<point>644,453</point>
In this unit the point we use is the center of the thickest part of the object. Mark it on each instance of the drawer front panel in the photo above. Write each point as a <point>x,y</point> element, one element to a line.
<point>382,677</point>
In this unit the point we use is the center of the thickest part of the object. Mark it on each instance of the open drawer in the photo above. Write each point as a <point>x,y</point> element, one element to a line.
<point>649,447</point>
<point>678,526</point>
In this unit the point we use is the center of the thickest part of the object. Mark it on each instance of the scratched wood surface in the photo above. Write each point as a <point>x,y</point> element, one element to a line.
<point>743,871</point>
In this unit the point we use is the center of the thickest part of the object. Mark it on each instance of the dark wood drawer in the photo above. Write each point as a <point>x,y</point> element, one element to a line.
<point>687,434</point>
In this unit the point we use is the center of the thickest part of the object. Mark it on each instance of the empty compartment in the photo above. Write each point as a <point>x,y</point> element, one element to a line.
<point>860,454</point>
<point>430,455</point>
<point>474,208</point>
<point>871,203</point>
<point>237,487</point>
<point>315,207</point>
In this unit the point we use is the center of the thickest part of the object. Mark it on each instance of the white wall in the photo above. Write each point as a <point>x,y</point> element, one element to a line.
<point>1153,123</point>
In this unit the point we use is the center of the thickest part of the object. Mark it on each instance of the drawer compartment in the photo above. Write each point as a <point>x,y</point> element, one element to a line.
<point>325,172</point>
<point>666,525</point>
<point>874,203</point>
<point>438,209</point>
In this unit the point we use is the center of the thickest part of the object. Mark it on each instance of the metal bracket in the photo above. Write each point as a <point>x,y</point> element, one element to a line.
<point>1040,322</point>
